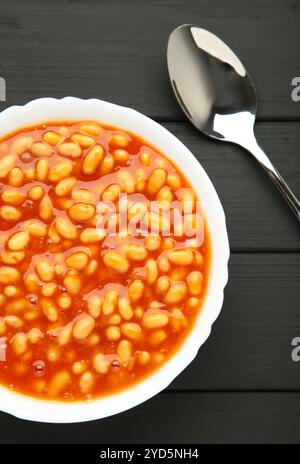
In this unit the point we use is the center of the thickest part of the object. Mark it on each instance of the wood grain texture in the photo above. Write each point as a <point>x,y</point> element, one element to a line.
<point>177,419</point>
<point>250,344</point>
<point>257,217</point>
<point>116,50</point>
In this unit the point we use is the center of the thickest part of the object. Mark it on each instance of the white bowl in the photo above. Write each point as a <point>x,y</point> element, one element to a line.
<point>69,108</point>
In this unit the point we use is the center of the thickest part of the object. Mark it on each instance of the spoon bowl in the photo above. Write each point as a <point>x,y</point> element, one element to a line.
<point>217,95</point>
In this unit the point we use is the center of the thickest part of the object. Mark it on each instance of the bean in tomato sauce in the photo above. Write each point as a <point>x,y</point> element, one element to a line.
<point>85,312</point>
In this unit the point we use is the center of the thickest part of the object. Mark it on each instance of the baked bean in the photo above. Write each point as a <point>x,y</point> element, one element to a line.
<point>145,158</point>
<point>70,149</point>
<point>52,138</point>
<point>163,265</point>
<point>113,333</point>
<point>194,283</point>
<point>66,228</point>
<point>110,302</point>
<point>162,285</point>
<point>143,357</point>
<point>135,290</point>
<point>59,383</point>
<point>36,193</point>
<point>64,186</point>
<point>151,271</point>
<point>111,193</point>
<point>107,165</point>
<point>132,330</point>
<point>156,181</point>
<point>72,282</point>
<point>40,149</point>
<point>29,174</point>
<point>53,354</point>
<point>46,208</point>
<point>187,200</point>
<point>18,241</point>
<point>116,262</point>
<point>115,319</point>
<point>62,334</point>
<point>83,196</point>
<point>77,260</point>
<point>19,343</point>
<point>60,170</point>
<point>176,293</point>
<point>137,211</point>
<point>135,252</point>
<point>126,181</point>
<point>16,177</point>
<point>13,197</point>
<point>31,283</point>
<point>124,351</point>
<point>153,242</point>
<point>17,305</point>
<point>12,257</point>
<point>119,140</point>
<point>6,164</point>
<point>174,181</point>
<point>82,212</point>
<point>86,382</point>
<point>49,289</point>
<point>198,259</point>
<point>177,319</point>
<point>121,156</point>
<point>11,291</point>
<point>100,363</point>
<point>92,160</point>
<point>91,235</point>
<point>34,335</point>
<point>42,170</point>
<point>79,367</point>
<point>125,308</point>
<point>181,257</point>
<point>14,321</point>
<point>36,229</point>
<point>64,301</point>
<point>49,309</point>
<point>22,145</point>
<point>154,319</point>
<point>140,180</point>
<point>91,128</point>
<point>58,269</point>
<point>10,213</point>
<point>157,337</point>
<point>45,270</point>
<point>84,141</point>
<point>165,197</point>
<point>83,327</point>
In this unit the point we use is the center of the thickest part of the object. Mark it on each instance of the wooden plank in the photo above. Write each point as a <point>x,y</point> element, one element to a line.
<point>177,419</point>
<point>257,216</point>
<point>250,344</point>
<point>116,50</point>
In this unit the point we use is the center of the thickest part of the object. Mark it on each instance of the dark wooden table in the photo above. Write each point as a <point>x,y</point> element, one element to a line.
<point>243,386</point>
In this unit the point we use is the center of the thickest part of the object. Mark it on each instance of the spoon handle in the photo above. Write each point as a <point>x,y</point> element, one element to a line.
<point>276,177</point>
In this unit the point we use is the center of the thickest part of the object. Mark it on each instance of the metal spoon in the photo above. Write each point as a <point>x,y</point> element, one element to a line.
<point>217,95</point>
